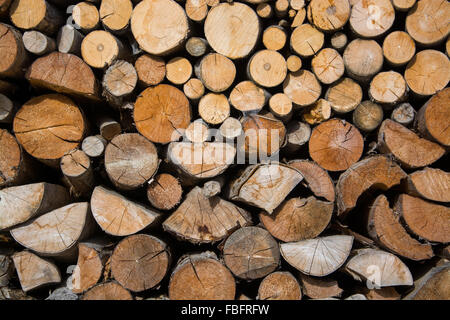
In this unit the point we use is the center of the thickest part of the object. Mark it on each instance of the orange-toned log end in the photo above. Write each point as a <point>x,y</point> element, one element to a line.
<point>429,183</point>
<point>434,285</point>
<point>384,227</point>
<point>298,219</point>
<point>316,288</point>
<point>406,146</point>
<point>335,145</point>
<point>108,291</point>
<point>140,262</point>
<point>88,270</point>
<point>280,285</point>
<point>10,159</point>
<point>201,277</point>
<point>425,219</point>
<point>164,192</point>
<point>12,52</point>
<point>377,171</point>
<point>151,70</point>
<point>159,112</point>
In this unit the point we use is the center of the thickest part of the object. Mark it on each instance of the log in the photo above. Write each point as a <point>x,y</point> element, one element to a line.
<point>159,26</point>
<point>6,270</point>
<point>178,70</point>
<point>429,183</point>
<point>151,70</point>
<point>214,108</point>
<point>293,63</point>
<point>197,131</point>
<point>318,288</point>
<point>251,253</point>
<point>216,71</point>
<point>117,215</point>
<point>406,146</point>
<point>57,233</point>
<point>232,29</point>
<point>281,8</point>
<point>212,188</point>
<point>109,128</point>
<point>317,257</point>
<point>398,48</point>
<point>299,18</point>
<point>231,128</point>
<point>194,89</point>
<point>246,96</point>
<point>428,72</point>
<point>107,291</point>
<point>367,116</point>
<point>7,109</point>
<point>427,24</point>
<point>425,219</point>
<point>433,285</point>
<point>119,82</point>
<point>372,18</point>
<point>363,59</point>
<point>432,115</point>
<point>404,114</point>
<point>403,5</point>
<point>328,65</point>
<point>196,46</point>
<point>201,277</point>
<point>385,228</point>
<point>265,185</point>
<point>39,198</point>
<point>64,73</point>
<point>302,88</point>
<point>164,192</point>
<point>338,41</point>
<point>38,43</point>
<point>329,16</point>
<point>297,135</point>
<point>306,40</point>
<point>35,272</point>
<point>209,219</point>
<point>78,173</point>
<point>100,49</point>
<point>13,52</point>
<point>274,38</point>
<point>94,146</point>
<point>85,16</point>
<point>298,219</point>
<point>196,10</point>
<point>161,111</point>
<point>69,40</point>
<point>264,10</point>
<point>280,285</point>
<point>139,262</point>
<point>267,68</point>
<point>388,88</point>
<point>318,112</point>
<point>377,171</point>
<point>115,15</point>
<point>344,96</point>
<point>281,106</point>
<point>378,268</point>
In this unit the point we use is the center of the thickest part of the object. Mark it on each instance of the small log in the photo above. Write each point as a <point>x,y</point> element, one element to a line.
<point>107,291</point>
<point>12,51</point>
<point>298,219</point>
<point>212,188</point>
<point>196,46</point>
<point>69,40</point>
<point>274,38</point>
<point>216,71</point>
<point>306,40</point>
<point>344,96</point>
<point>100,49</point>
<point>339,41</point>
<point>281,8</point>
<point>406,146</point>
<point>85,16</point>
<point>363,59</point>
<point>264,10</point>
<point>280,285</point>
<point>115,15</point>
<point>267,68</point>
<point>49,138</point>
<point>140,262</point>
<point>384,227</point>
<point>178,70</point>
<point>404,114</point>
<point>427,220</point>
<point>119,216</point>
<point>246,96</point>
<point>210,219</point>
<point>388,88</point>
<point>317,288</point>
<point>160,31</point>
<point>35,272</point>
<point>431,118</point>
<point>38,43</point>
<point>403,5</point>
<point>265,185</point>
<point>236,22</point>
<point>328,65</point>
<point>196,10</point>
<point>194,89</point>
<point>302,88</point>
<point>39,198</point>
<point>57,233</point>
<point>94,146</point>
<point>214,108</point>
<point>377,171</point>
<point>372,18</point>
<point>429,183</point>
<point>367,116</point>
<point>378,268</point>
<point>317,257</point>
<point>119,82</point>
<point>197,131</point>
<point>299,18</point>
<point>164,192</point>
<point>428,72</point>
<point>318,112</point>
<point>281,106</point>
<point>159,112</point>
<point>297,135</point>
<point>201,277</point>
<point>433,285</point>
<point>78,173</point>
<point>329,16</point>
<point>251,253</point>
<point>108,127</point>
<point>293,63</point>
<point>398,48</point>
<point>151,70</point>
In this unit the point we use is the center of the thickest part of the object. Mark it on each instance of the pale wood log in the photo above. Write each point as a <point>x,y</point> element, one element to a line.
<point>329,16</point>
<point>231,128</point>
<point>78,173</point>
<point>151,70</point>
<point>115,15</point>
<point>108,291</point>
<point>212,188</point>
<point>388,88</point>
<point>429,183</point>
<point>319,112</point>
<point>363,59</point>
<point>404,114</point>
<point>403,5</point>
<point>214,108</point>
<point>178,70</point>
<point>293,63</point>
<point>274,37</point>
<point>85,16</point>
<point>328,65</point>
<point>281,8</point>
<point>299,18</point>
<point>246,96</point>
<point>119,82</point>
<point>317,288</point>
<point>280,285</point>
<point>35,14</point>
<point>398,48</point>
<point>216,71</point>
<point>196,10</point>
<point>297,135</point>
<point>13,52</point>
<point>69,40</point>
<point>372,18</point>
<point>281,106</point>
<point>94,146</point>
<point>306,40</point>
<point>164,192</point>
<point>196,46</point>
<point>267,68</point>
<point>302,88</point>
<point>433,285</point>
<point>344,96</point>
<point>338,41</point>
<point>264,10</point>
<point>194,89</point>
<point>197,131</point>
<point>367,116</point>
<point>38,43</point>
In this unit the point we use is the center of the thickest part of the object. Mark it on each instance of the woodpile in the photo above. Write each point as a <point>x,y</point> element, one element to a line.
<point>212,149</point>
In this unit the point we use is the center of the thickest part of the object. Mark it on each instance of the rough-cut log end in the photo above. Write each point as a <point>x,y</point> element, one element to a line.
<point>279,286</point>
<point>164,192</point>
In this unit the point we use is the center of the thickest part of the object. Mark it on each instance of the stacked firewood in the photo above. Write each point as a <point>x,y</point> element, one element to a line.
<point>198,149</point>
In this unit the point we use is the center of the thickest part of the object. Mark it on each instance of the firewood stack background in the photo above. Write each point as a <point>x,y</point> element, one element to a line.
<point>199,149</point>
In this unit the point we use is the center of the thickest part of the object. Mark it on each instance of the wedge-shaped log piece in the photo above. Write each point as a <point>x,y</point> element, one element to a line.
<point>317,288</point>
<point>434,285</point>
<point>429,183</point>
<point>318,257</point>
<point>117,215</point>
<point>265,185</point>
<point>108,291</point>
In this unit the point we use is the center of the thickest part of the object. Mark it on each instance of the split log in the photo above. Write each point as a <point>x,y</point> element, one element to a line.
<point>274,38</point>
<point>264,10</point>
<point>279,285</point>
<point>119,216</point>
<point>344,96</point>
<point>398,48</point>
<point>302,88</point>
<point>297,135</point>
<point>164,192</point>
<point>317,288</point>
<point>201,277</point>
<point>159,26</point>
<point>335,145</point>
<point>372,18</point>
<point>377,171</point>
<point>100,49</point>
<point>231,128</point>
<point>107,291</point>
<point>429,183</point>
<point>197,131</point>
<point>425,219</point>
<point>196,10</point>
<point>367,116</point>
<point>216,71</point>
<point>317,257</point>
<point>403,5</point>
<point>338,41</point>
<point>388,88</point>
<point>378,268</point>
<point>35,272</point>
<point>116,15</point>
<point>281,106</point>
<point>194,89</point>
<point>38,198</point>
<point>265,185</point>
<point>6,270</point>
<point>64,73</point>
<point>140,262</point>
<point>406,146</point>
<point>298,219</point>
<point>246,96</point>
<point>196,46</point>
<point>209,219</point>
<point>178,70</point>
<point>119,82</point>
<point>433,285</point>
<point>293,63</point>
<point>13,52</point>
<point>299,18</point>
<point>85,16</point>
<point>94,146</point>
<point>329,16</point>
<point>267,68</point>
<point>363,59</point>
<point>428,72</point>
<point>214,108</point>
<point>404,114</point>
<point>57,232</point>
<point>385,228</point>
<point>328,65</point>
<point>431,118</point>
<point>69,40</point>
<point>318,112</point>
<point>151,70</point>
<point>38,43</point>
<point>161,111</point>
<point>232,29</point>
<point>251,253</point>
<point>306,40</point>
<point>78,173</point>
